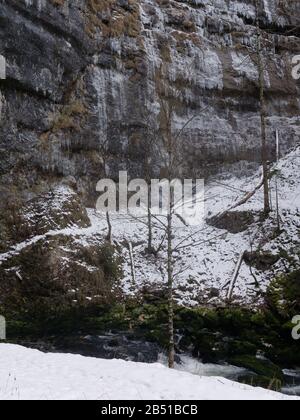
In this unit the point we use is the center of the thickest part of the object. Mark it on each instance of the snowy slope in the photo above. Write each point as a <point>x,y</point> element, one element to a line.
<point>210,260</point>
<point>206,266</point>
<point>27,374</point>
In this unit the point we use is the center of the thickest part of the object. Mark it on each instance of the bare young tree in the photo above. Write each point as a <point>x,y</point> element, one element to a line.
<point>169,160</point>
<point>149,151</point>
<point>150,148</point>
<point>172,159</point>
<point>104,151</point>
<point>278,219</point>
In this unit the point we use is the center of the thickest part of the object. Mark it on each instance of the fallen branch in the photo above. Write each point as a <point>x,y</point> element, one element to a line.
<point>235,276</point>
<point>244,200</point>
<point>132,265</point>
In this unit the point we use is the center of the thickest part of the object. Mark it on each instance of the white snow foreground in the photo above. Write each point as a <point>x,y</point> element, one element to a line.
<point>27,374</point>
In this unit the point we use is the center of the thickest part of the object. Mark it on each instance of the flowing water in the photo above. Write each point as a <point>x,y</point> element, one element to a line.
<point>292,386</point>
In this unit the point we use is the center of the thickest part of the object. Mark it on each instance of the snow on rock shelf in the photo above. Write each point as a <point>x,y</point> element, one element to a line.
<point>27,374</point>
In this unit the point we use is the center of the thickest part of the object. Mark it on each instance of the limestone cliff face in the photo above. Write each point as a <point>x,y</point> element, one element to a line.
<point>84,73</point>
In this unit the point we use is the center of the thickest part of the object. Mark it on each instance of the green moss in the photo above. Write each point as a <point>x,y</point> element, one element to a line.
<point>263,368</point>
<point>49,292</point>
<point>262,382</point>
<point>242,348</point>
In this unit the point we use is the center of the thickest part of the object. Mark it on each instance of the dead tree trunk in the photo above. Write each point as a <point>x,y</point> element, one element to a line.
<point>109,233</point>
<point>276,184</point>
<point>263,113</point>
<point>235,276</point>
<point>150,248</point>
<point>104,150</point>
<point>244,200</point>
<point>132,265</point>
<point>171,353</point>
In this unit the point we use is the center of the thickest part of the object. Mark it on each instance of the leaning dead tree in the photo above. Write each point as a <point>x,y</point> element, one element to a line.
<point>245,199</point>
<point>132,264</point>
<point>235,276</point>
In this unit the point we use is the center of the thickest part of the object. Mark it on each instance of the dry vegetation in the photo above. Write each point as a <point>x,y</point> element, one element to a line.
<point>112,20</point>
<point>109,18</point>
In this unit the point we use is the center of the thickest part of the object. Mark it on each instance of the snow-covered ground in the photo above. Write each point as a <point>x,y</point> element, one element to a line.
<point>209,262</point>
<point>27,374</point>
<point>206,260</point>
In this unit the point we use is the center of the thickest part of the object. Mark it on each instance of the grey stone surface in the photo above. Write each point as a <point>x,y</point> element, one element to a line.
<point>83,73</point>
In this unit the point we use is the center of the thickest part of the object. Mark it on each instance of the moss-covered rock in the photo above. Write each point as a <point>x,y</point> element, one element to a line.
<point>56,274</point>
<point>273,384</point>
<point>261,260</point>
<point>235,221</point>
<point>261,367</point>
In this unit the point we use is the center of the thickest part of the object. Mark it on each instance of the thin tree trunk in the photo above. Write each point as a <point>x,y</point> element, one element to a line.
<point>276,184</point>
<point>264,153</point>
<point>270,195</point>
<point>109,234</point>
<point>150,236</point>
<point>235,276</point>
<point>277,206</point>
<point>109,225</point>
<point>132,263</point>
<point>171,354</point>
<point>244,200</point>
